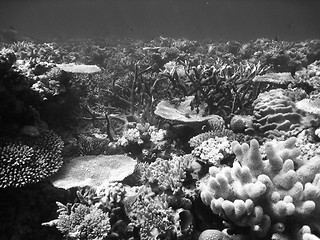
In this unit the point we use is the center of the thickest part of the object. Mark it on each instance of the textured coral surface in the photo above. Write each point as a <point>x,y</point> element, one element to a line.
<point>25,159</point>
<point>281,190</point>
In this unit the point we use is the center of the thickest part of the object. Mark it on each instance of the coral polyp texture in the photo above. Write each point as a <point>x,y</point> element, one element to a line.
<point>275,196</point>
<point>25,159</point>
<point>275,114</point>
<point>79,221</point>
<point>213,150</point>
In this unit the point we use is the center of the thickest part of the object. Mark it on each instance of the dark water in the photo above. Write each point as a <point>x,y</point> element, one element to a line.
<point>194,19</point>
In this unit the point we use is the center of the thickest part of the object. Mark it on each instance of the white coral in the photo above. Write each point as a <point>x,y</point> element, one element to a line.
<point>213,150</point>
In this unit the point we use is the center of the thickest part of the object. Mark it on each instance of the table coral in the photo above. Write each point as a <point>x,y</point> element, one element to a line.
<point>263,194</point>
<point>25,160</point>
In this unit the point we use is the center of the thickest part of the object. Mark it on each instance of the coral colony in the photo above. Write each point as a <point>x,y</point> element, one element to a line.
<point>166,139</point>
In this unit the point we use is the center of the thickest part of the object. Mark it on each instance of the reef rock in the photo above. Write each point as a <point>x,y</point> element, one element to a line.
<point>93,171</point>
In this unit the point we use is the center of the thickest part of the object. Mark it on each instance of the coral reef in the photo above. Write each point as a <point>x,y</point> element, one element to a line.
<point>266,194</point>
<point>114,112</point>
<point>26,159</point>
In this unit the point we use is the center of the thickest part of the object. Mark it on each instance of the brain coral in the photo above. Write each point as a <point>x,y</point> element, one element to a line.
<point>25,159</point>
<point>274,197</point>
<point>274,113</point>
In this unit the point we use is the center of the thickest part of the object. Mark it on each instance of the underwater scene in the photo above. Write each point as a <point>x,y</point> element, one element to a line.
<point>160,120</point>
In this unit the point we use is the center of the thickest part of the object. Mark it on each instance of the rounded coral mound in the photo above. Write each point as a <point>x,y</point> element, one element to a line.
<point>274,113</point>
<point>25,159</point>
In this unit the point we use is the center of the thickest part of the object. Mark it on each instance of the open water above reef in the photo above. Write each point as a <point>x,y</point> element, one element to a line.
<point>240,20</point>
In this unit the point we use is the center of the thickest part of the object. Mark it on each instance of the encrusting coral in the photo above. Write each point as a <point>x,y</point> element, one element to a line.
<point>282,190</point>
<point>25,159</point>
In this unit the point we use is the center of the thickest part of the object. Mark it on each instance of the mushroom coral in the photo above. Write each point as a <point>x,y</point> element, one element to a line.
<point>26,159</point>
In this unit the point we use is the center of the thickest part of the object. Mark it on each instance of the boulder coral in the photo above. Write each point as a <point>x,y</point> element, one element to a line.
<point>274,197</point>
<point>275,114</point>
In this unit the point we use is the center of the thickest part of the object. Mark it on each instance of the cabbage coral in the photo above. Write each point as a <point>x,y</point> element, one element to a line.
<point>25,160</point>
<point>282,190</point>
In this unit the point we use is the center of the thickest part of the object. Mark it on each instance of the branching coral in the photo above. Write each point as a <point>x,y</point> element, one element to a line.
<point>79,221</point>
<point>25,160</point>
<point>216,85</point>
<point>263,194</point>
<point>152,215</point>
<point>165,175</point>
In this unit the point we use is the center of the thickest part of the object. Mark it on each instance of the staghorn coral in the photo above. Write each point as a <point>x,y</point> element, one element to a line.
<point>275,114</point>
<point>282,190</point>
<point>25,159</point>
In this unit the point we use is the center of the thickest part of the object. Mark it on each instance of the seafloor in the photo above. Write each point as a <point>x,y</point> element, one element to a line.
<point>159,139</point>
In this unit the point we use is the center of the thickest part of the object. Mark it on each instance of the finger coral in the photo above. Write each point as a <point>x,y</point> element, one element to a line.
<point>262,194</point>
<point>25,160</point>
